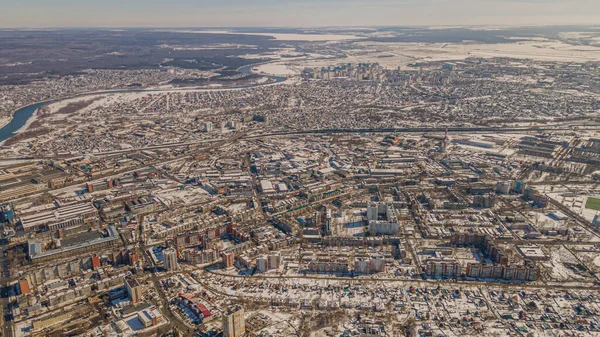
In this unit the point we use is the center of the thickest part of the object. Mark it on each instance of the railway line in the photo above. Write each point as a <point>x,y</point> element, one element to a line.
<point>246,135</point>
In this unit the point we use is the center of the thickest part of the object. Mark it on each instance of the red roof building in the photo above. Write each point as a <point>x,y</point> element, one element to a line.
<point>24,287</point>
<point>96,262</point>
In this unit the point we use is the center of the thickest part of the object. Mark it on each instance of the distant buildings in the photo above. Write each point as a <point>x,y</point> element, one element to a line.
<point>129,257</point>
<point>382,219</point>
<point>268,262</point>
<point>67,216</point>
<point>196,305</point>
<point>83,242</point>
<point>501,268</point>
<point>374,263</point>
<point>324,263</point>
<point>260,118</point>
<point>529,194</point>
<point>195,256</point>
<point>503,187</point>
<point>371,72</point>
<point>443,267</point>
<point>96,263</point>
<point>476,143</point>
<point>484,201</point>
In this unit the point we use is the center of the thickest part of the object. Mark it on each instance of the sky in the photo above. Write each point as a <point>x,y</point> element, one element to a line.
<point>293,13</point>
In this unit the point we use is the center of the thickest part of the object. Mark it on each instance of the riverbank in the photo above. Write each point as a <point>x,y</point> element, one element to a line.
<point>28,123</point>
<point>4,121</point>
<point>23,117</point>
<point>19,121</point>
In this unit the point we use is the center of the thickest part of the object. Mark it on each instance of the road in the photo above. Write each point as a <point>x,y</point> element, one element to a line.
<point>175,321</point>
<point>7,327</point>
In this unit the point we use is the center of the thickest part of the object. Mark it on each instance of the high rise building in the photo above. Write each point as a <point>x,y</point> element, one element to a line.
<point>208,126</point>
<point>133,257</point>
<point>446,140</point>
<point>134,289</point>
<point>274,260</point>
<point>382,219</point>
<point>170,259</point>
<point>228,259</point>
<point>262,264</point>
<point>234,324</point>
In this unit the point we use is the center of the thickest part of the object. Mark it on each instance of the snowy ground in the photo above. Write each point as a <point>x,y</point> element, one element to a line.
<point>558,270</point>
<point>280,36</point>
<point>277,69</point>
<point>402,54</point>
<point>350,224</point>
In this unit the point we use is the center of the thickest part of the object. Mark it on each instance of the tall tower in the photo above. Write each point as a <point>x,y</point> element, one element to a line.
<point>446,140</point>
<point>234,324</point>
<point>170,259</point>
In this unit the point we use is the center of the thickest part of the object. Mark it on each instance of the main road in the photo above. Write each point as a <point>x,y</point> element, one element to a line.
<point>7,326</point>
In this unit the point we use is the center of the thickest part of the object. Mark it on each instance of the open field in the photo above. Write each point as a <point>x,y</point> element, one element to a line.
<point>593,203</point>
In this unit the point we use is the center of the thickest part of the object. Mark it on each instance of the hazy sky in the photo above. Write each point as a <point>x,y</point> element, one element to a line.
<point>264,13</point>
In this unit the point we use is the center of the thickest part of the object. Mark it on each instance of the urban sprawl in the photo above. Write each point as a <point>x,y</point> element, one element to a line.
<point>444,198</point>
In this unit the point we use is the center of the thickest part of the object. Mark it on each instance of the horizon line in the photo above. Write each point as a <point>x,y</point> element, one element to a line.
<point>589,25</point>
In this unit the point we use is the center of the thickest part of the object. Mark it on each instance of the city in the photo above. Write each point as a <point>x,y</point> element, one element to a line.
<point>318,184</point>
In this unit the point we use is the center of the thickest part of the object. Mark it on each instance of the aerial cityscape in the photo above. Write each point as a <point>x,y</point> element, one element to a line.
<point>263,181</point>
